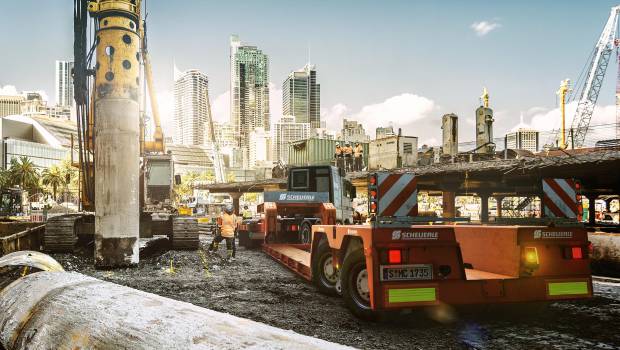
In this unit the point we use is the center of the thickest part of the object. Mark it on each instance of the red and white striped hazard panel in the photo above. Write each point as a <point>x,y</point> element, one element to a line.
<point>559,198</point>
<point>397,194</point>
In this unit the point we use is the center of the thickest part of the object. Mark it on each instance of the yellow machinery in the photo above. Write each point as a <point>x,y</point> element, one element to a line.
<point>111,135</point>
<point>562,93</point>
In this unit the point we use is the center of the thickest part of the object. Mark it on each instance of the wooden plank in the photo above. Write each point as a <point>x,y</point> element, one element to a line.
<point>298,255</point>
<point>483,275</point>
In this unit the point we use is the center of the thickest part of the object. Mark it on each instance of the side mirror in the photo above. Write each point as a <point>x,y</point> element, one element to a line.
<point>177,179</point>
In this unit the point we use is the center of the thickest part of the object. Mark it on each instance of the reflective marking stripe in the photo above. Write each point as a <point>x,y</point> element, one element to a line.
<point>397,194</point>
<point>568,288</point>
<point>408,295</point>
<point>560,199</point>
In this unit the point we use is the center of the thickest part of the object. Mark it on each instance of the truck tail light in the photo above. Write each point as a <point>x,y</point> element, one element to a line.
<point>574,253</point>
<point>293,228</point>
<point>394,256</point>
<point>530,256</point>
<point>577,253</point>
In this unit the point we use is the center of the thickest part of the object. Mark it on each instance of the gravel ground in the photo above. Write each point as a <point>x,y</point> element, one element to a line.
<point>256,287</point>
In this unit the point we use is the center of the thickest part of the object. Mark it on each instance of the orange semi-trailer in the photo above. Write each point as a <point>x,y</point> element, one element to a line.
<point>396,263</point>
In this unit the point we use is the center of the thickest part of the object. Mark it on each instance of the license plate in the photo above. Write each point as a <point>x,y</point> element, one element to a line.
<point>407,272</point>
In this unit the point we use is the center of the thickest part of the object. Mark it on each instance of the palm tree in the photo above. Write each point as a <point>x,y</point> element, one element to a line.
<point>5,178</point>
<point>24,173</point>
<point>53,176</point>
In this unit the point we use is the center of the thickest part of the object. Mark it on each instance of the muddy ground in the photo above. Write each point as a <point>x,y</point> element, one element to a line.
<point>256,287</point>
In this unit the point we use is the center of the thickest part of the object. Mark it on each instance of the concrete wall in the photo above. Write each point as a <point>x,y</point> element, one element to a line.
<point>393,152</point>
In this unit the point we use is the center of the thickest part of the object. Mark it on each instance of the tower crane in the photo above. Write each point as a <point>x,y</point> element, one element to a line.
<point>594,80</point>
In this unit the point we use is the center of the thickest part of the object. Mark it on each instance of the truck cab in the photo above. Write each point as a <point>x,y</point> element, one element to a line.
<point>325,179</point>
<point>288,216</point>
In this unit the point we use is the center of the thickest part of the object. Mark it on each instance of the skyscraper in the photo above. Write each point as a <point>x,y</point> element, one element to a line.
<point>525,139</point>
<point>190,108</point>
<point>249,91</point>
<point>64,83</point>
<point>286,130</point>
<point>301,96</point>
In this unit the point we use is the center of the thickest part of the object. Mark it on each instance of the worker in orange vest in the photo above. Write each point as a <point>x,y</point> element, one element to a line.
<point>228,224</point>
<point>358,155</point>
<point>338,154</point>
<point>348,156</point>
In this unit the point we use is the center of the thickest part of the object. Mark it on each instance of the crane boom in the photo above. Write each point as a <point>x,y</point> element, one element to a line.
<point>594,80</point>
<point>157,145</point>
<point>218,164</point>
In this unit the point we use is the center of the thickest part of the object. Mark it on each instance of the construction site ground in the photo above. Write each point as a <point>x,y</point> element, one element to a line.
<point>256,287</point>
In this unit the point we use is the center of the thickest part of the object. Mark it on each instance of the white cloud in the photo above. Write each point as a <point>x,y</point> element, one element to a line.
<point>8,90</point>
<point>416,115</point>
<point>484,27</point>
<point>547,120</point>
<point>333,116</point>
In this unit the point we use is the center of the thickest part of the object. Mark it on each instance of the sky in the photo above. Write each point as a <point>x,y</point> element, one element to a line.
<point>396,62</point>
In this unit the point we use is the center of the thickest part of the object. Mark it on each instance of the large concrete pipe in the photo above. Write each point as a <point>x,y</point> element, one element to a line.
<point>64,310</point>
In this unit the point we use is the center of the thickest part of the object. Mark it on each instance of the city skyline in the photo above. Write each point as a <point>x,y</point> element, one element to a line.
<point>409,75</point>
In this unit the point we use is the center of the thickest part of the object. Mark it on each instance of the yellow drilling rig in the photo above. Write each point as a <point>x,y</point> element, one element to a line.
<point>116,161</point>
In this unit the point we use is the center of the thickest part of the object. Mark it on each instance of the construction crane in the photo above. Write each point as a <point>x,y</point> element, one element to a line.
<point>218,162</point>
<point>594,80</point>
<point>157,144</point>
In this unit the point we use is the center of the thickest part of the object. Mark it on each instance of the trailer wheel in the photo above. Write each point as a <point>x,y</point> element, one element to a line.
<point>324,273</point>
<point>305,234</point>
<point>355,289</point>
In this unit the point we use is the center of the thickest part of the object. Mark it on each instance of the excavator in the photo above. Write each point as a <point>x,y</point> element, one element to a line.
<point>126,179</point>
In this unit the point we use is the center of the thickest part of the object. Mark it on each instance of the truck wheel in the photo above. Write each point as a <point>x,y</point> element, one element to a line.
<point>305,234</point>
<point>324,273</point>
<point>355,289</point>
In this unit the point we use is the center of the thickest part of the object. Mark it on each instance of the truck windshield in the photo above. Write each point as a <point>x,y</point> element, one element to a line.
<point>300,179</point>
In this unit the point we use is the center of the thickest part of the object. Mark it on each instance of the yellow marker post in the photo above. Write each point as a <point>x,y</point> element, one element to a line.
<point>562,93</point>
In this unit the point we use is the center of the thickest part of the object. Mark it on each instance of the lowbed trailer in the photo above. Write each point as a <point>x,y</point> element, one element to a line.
<point>397,263</point>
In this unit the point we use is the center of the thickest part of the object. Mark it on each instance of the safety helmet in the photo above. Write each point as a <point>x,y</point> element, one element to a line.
<point>337,145</point>
<point>348,144</point>
<point>229,209</point>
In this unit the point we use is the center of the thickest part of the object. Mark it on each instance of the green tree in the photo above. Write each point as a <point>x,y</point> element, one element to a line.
<point>25,174</point>
<point>186,188</point>
<point>5,179</point>
<point>53,177</point>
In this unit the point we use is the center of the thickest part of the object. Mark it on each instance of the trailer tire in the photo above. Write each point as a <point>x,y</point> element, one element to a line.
<point>326,284</point>
<point>355,294</point>
<point>305,233</point>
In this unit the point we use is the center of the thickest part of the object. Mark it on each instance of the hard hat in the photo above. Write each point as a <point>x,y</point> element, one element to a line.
<point>337,144</point>
<point>229,209</point>
<point>348,143</point>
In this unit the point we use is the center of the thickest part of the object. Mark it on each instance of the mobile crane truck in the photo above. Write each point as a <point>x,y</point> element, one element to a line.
<point>289,216</point>
<point>403,261</point>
